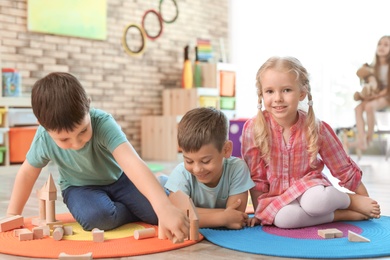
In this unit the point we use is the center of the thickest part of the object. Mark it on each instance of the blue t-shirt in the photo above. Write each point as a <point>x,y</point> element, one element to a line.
<point>235,179</point>
<point>94,164</point>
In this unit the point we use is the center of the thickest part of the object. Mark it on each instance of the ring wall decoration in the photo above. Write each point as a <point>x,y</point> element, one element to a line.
<point>141,32</point>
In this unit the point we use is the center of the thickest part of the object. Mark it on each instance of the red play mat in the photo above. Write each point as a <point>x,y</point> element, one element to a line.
<point>118,242</point>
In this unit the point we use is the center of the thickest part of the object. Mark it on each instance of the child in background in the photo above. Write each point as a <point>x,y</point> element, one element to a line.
<point>286,150</point>
<point>217,183</point>
<point>104,182</point>
<point>380,100</point>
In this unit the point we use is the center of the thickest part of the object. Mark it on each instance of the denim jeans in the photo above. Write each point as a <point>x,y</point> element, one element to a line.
<point>109,206</point>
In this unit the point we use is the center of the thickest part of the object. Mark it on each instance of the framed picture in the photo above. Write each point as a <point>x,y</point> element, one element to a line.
<point>85,19</point>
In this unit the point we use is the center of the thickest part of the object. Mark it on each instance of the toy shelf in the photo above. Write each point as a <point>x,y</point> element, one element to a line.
<point>7,103</point>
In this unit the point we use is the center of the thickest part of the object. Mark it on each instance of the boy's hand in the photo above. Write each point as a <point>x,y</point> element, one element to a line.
<point>174,223</point>
<point>235,219</point>
<point>253,222</point>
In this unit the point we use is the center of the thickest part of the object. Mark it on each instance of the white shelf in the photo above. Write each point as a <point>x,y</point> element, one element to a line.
<point>213,92</point>
<point>15,101</point>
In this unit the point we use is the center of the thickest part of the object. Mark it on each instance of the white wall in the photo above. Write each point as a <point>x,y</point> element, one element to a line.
<point>331,38</point>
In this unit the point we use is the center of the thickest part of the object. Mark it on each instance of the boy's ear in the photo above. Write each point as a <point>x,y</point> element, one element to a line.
<point>227,149</point>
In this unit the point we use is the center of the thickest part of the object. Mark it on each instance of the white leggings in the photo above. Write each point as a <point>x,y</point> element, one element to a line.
<point>316,206</point>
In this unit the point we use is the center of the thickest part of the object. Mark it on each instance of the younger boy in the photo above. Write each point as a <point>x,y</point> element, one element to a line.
<point>217,183</point>
<point>100,172</point>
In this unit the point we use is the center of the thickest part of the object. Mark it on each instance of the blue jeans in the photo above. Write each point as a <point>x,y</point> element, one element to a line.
<point>108,206</point>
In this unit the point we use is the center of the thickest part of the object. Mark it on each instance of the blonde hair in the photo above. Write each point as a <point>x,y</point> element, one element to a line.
<point>262,131</point>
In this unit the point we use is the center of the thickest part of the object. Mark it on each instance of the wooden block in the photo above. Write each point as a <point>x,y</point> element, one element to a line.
<point>97,235</point>
<point>26,235</point>
<point>68,230</point>
<point>20,231</point>
<point>37,232</point>
<point>337,233</point>
<point>64,256</point>
<point>9,223</point>
<point>46,230</point>
<point>58,233</point>
<point>353,237</point>
<point>330,233</point>
<point>48,191</point>
<point>144,233</point>
<point>161,234</point>
<point>42,222</point>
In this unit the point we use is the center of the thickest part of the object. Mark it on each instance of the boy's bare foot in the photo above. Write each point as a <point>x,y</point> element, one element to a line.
<point>346,214</point>
<point>364,205</point>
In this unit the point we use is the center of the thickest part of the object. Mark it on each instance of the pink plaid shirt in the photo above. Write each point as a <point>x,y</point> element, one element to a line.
<point>288,174</point>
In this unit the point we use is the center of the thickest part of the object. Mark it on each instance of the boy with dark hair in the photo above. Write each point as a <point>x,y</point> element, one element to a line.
<point>104,182</point>
<point>217,183</point>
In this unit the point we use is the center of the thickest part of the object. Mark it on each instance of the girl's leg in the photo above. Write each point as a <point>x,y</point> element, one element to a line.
<point>126,193</point>
<point>371,107</point>
<point>320,200</point>
<point>93,208</point>
<point>316,206</point>
<point>361,135</point>
<point>293,216</point>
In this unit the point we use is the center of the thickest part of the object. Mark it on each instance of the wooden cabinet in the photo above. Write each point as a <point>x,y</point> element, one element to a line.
<point>159,133</point>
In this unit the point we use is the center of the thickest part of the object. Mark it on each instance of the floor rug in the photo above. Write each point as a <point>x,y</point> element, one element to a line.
<point>118,242</point>
<point>305,242</point>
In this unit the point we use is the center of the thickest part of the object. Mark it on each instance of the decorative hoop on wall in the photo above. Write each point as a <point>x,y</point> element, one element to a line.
<point>159,20</point>
<point>174,18</point>
<point>143,38</point>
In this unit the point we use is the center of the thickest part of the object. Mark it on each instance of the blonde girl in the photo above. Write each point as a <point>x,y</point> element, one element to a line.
<point>377,102</point>
<point>286,150</point>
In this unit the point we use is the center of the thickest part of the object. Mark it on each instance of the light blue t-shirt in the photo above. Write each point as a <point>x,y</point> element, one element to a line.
<point>235,179</point>
<point>94,164</point>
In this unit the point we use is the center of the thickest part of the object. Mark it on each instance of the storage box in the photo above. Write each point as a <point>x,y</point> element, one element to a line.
<point>21,117</point>
<point>227,83</point>
<point>205,101</point>
<point>11,82</point>
<point>235,134</point>
<point>2,154</point>
<point>20,139</point>
<point>228,103</point>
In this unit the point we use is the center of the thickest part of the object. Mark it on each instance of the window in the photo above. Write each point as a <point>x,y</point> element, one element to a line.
<point>331,38</point>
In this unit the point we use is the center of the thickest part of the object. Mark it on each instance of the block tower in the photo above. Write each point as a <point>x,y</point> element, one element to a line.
<point>47,196</point>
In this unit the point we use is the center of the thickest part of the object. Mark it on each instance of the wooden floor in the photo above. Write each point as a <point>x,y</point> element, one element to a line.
<point>376,178</point>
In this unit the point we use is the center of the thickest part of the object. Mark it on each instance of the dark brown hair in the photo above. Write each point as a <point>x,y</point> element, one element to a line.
<point>202,126</point>
<point>59,101</point>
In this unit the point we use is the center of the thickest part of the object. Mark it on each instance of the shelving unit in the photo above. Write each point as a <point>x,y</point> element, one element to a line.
<point>159,133</point>
<point>6,103</point>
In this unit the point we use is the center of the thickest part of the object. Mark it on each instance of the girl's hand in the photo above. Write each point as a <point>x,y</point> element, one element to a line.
<point>253,222</point>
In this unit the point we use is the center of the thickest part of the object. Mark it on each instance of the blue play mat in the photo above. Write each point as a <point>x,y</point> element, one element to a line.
<point>305,243</point>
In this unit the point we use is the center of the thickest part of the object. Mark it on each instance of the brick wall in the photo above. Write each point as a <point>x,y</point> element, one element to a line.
<point>128,87</point>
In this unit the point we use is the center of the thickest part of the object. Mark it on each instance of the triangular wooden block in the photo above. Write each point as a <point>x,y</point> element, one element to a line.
<point>353,237</point>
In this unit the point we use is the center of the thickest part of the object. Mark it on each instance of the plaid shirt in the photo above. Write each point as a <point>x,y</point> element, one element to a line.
<point>288,174</point>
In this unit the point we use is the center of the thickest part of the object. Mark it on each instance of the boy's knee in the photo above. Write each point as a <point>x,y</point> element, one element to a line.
<point>101,219</point>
